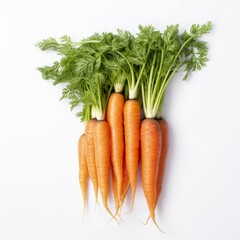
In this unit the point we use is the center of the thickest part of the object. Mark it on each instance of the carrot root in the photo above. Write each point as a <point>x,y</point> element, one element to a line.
<point>115,121</point>
<point>150,142</point>
<point>83,170</point>
<point>132,136</point>
<point>90,154</point>
<point>163,157</point>
<point>102,143</point>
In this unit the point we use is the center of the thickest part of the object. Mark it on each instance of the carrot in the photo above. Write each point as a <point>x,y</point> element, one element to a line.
<point>115,121</point>
<point>125,183</point>
<point>150,142</point>
<point>83,170</point>
<point>90,153</point>
<point>141,67</point>
<point>102,143</point>
<point>132,133</point>
<point>115,193</point>
<point>164,150</point>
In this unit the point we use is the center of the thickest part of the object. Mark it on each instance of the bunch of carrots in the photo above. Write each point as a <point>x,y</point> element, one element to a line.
<point>118,80</point>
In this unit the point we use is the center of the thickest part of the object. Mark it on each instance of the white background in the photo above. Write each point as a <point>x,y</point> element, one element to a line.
<point>39,192</point>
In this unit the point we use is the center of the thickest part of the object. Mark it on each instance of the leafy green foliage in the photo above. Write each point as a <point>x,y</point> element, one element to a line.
<point>198,30</point>
<point>48,44</point>
<point>173,51</point>
<point>92,67</point>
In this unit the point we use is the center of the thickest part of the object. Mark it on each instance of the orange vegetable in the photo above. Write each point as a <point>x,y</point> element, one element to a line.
<point>83,170</point>
<point>125,183</point>
<point>115,121</point>
<point>115,194</point>
<point>102,142</point>
<point>132,134</point>
<point>150,150</point>
<point>90,154</point>
<point>163,156</point>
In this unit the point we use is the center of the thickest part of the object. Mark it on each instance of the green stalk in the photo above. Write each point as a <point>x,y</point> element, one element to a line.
<point>149,91</point>
<point>100,115</point>
<point>167,77</point>
<point>160,109</point>
<point>134,89</point>
<point>162,90</point>
<point>176,56</point>
<point>87,114</point>
<point>131,70</point>
<point>143,97</point>
<point>157,80</point>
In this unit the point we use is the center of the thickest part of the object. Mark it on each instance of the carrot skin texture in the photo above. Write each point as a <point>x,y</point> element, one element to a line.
<point>164,150</point>
<point>115,121</point>
<point>102,142</point>
<point>90,154</point>
<point>150,150</point>
<point>132,135</point>
<point>115,193</point>
<point>83,169</point>
<point>125,183</point>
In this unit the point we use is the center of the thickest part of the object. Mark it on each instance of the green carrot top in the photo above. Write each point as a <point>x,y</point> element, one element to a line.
<point>140,66</point>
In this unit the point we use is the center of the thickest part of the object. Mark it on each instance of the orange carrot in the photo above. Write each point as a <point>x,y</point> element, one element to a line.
<point>132,134</point>
<point>163,156</point>
<point>150,150</point>
<point>102,143</point>
<point>125,183</point>
<point>83,170</point>
<point>115,193</point>
<point>115,120</point>
<point>90,153</point>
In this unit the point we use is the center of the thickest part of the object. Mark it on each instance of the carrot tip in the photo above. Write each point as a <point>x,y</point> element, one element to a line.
<point>154,221</point>
<point>119,215</point>
<point>84,211</point>
<point>146,221</point>
<point>120,218</point>
<point>112,215</point>
<point>120,212</point>
<point>113,218</point>
<point>97,205</point>
<point>133,197</point>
